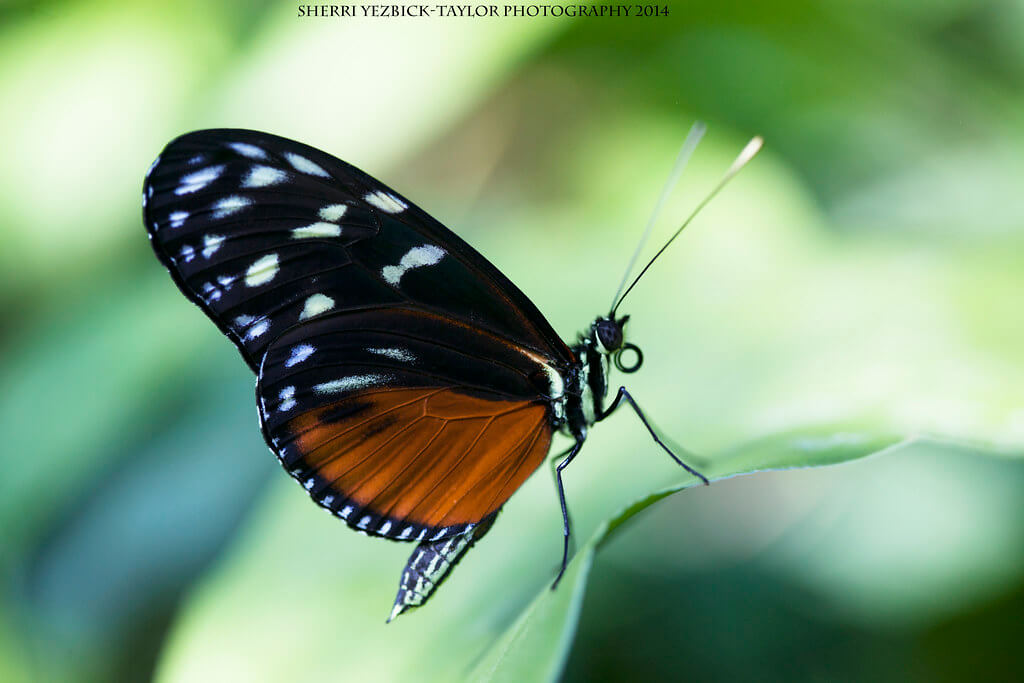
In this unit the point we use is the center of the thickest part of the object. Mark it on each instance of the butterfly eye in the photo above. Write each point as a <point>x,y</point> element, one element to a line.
<point>609,335</point>
<point>638,361</point>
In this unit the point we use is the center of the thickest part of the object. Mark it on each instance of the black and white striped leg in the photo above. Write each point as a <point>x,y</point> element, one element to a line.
<point>566,531</point>
<point>623,394</point>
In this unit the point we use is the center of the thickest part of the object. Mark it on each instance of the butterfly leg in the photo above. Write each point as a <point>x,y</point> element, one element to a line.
<point>556,459</point>
<point>623,394</point>
<point>555,462</point>
<point>566,532</point>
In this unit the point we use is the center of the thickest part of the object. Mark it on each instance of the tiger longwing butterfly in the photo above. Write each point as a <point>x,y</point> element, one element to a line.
<point>402,379</point>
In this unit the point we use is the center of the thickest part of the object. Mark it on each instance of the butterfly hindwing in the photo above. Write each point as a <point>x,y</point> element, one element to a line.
<point>264,233</point>
<point>402,423</point>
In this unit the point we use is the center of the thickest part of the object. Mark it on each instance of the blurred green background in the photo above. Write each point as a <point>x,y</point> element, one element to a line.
<point>864,273</point>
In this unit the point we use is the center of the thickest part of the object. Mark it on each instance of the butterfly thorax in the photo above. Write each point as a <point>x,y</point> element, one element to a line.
<point>587,381</point>
<point>585,401</point>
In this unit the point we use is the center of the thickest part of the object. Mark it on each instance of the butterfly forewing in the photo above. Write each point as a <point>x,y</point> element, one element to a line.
<point>264,233</point>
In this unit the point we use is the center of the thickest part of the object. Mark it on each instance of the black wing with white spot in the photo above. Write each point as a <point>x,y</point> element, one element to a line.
<point>264,233</point>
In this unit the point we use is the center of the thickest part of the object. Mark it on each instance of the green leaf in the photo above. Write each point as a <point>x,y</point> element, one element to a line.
<point>536,646</point>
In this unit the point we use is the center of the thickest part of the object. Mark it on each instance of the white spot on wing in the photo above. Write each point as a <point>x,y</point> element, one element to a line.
<point>262,271</point>
<point>439,534</point>
<point>197,180</point>
<point>345,512</point>
<point>386,202</point>
<point>211,243</point>
<point>396,354</point>
<point>299,354</point>
<point>287,397</point>
<point>349,383</point>
<point>188,253</point>
<point>229,205</point>
<point>317,230</point>
<point>417,257</point>
<point>405,532</point>
<point>211,293</point>
<point>333,212</point>
<point>261,176</point>
<point>301,163</point>
<point>309,483</point>
<point>257,329</point>
<point>315,305</point>
<point>364,522</point>
<point>385,527</point>
<point>178,218</point>
<point>247,150</point>
<point>226,281</point>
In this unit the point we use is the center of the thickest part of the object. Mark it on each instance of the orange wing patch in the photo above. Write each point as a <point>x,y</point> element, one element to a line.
<point>428,457</point>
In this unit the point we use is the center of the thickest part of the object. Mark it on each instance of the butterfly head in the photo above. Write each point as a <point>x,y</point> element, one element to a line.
<point>608,335</point>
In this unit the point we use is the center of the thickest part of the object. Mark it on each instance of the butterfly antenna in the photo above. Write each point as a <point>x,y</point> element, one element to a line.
<point>745,156</point>
<point>689,144</point>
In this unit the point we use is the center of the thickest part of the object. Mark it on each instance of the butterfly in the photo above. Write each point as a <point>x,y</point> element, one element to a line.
<point>406,383</point>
